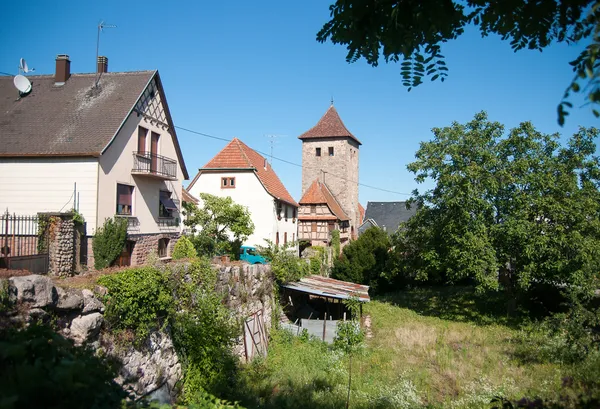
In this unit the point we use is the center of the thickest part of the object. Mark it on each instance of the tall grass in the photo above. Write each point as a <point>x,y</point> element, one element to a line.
<point>442,356</point>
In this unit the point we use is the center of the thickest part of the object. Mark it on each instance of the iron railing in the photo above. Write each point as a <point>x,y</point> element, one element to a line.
<point>23,243</point>
<point>148,163</point>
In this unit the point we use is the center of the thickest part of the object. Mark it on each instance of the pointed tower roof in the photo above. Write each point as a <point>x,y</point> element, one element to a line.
<point>239,156</point>
<point>329,126</point>
<point>318,193</point>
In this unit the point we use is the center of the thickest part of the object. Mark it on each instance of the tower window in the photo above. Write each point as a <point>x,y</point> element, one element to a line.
<point>318,152</point>
<point>331,151</point>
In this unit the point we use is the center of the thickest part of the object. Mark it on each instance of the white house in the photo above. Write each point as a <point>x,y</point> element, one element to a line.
<point>244,175</point>
<point>103,143</point>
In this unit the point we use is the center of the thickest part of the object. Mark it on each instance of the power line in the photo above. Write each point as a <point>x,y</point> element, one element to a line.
<point>295,164</point>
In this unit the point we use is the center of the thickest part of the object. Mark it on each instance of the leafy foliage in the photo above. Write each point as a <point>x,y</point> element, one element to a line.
<point>285,263</point>
<point>335,243</point>
<point>41,369</point>
<point>184,248</point>
<point>218,224</point>
<point>182,298</point>
<point>519,207</point>
<point>365,260</point>
<point>413,32</point>
<point>138,299</point>
<point>109,241</point>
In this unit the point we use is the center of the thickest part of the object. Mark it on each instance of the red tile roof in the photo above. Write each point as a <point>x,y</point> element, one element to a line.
<point>187,197</point>
<point>318,193</point>
<point>361,214</point>
<point>238,155</point>
<point>330,125</point>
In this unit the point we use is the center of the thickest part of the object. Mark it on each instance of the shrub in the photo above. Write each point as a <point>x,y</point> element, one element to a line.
<point>184,248</point>
<point>335,243</point>
<point>285,264</point>
<point>138,299</point>
<point>109,242</point>
<point>41,369</point>
<point>365,260</point>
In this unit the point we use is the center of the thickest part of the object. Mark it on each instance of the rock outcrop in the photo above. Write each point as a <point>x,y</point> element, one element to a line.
<point>152,370</point>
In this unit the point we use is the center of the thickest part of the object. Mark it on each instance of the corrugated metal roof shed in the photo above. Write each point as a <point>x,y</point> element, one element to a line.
<point>328,287</point>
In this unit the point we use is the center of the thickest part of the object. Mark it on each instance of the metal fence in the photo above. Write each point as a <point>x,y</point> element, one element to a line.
<point>23,243</point>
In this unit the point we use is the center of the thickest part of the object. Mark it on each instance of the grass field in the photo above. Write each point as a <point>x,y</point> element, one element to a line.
<point>430,348</point>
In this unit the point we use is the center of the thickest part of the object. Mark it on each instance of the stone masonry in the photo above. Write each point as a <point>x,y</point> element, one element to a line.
<point>61,244</point>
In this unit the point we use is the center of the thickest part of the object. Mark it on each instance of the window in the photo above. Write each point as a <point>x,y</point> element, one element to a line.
<point>163,245</point>
<point>285,212</point>
<point>124,199</point>
<point>318,152</point>
<point>313,227</point>
<point>294,212</point>
<point>331,226</point>
<point>279,209</point>
<point>166,206</point>
<point>277,239</point>
<point>227,183</point>
<point>293,236</point>
<point>313,209</point>
<point>331,151</point>
<point>142,133</point>
<point>285,237</point>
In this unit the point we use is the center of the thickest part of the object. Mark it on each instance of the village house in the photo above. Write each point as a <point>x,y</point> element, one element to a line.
<point>329,181</point>
<point>244,175</point>
<point>103,143</point>
<point>386,215</point>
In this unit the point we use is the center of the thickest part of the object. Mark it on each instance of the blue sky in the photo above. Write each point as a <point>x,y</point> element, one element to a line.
<point>253,69</point>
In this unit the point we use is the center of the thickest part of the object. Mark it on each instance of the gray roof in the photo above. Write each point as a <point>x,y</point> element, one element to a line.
<point>73,119</point>
<point>389,214</point>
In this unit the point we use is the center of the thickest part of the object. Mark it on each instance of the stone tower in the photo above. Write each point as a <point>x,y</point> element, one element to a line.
<point>330,155</point>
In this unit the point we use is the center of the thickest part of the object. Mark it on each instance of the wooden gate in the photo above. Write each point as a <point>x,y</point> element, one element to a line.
<point>255,336</point>
<point>23,243</point>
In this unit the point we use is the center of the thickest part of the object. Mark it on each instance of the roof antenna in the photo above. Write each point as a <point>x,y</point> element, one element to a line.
<point>101,26</point>
<point>272,138</point>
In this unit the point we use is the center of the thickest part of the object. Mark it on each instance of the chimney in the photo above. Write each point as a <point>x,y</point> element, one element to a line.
<point>102,65</point>
<point>63,69</point>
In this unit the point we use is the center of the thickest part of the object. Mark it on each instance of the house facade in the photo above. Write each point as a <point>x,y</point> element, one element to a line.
<point>101,143</point>
<point>319,215</point>
<point>244,175</point>
<point>330,162</point>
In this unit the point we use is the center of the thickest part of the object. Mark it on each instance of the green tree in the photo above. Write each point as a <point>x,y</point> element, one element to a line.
<point>413,32</point>
<point>285,263</point>
<point>517,210</point>
<point>184,248</point>
<point>218,224</point>
<point>365,260</point>
<point>109,241</point>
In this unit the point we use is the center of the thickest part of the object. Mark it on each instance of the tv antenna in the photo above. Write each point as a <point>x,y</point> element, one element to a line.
<point>272,142</point>
<point>23,67</point>
<point>101,26</point>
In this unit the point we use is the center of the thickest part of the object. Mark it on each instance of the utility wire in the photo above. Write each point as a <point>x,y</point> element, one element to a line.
<point>295,164</point>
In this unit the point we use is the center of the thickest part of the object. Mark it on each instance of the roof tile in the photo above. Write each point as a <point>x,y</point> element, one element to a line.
<point>330,125</point>
<point>238,155</point>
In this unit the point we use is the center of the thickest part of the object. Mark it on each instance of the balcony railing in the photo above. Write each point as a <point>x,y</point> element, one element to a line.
<point>157,166</point>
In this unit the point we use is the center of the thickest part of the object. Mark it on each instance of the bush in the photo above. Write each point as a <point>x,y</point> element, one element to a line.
<point>184,248</point>
<point>109,241</point>
<point>365,260</point>
<point>285,264</point>
<point>41,369</point>
<point>138,299</point>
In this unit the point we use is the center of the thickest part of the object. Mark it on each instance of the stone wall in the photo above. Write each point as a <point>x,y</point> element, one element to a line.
<point>61,244</point>
<point>249,289</point>
<point>152,370</point>
<point>146,244</point>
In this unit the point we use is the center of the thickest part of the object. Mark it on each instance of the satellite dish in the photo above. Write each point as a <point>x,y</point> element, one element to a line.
<point>23,66</point>
<point>22,84</point>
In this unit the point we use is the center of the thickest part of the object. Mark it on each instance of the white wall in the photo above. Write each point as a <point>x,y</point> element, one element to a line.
<point>32,185</point>
<point>115,167</point>
<point>248,192</point>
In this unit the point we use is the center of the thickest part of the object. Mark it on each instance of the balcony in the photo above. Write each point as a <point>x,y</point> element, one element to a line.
<point>154,166</point>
